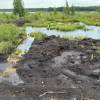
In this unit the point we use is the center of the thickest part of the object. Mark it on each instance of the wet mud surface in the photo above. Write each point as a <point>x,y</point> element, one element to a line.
<point>57,69</point>
<point>19,23</point>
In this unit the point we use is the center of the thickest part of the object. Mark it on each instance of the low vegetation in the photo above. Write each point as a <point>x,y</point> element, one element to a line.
<point>50,20</point>
<point>67,27</point>
<point>18,51</point>
<point>37,35</point>
<point>25,50</point>
<point>73,38</point>
<point>10,37</point>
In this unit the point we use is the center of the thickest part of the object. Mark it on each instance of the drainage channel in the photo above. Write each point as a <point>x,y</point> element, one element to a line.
<point>7,70</point>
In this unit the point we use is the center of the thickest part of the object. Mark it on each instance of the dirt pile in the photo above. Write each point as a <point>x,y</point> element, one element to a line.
<point>64,64</point>
<point>19,23</point>
<point>57,69</point>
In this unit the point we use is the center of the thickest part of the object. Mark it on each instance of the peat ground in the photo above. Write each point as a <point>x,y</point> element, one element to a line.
<point>57,69</point>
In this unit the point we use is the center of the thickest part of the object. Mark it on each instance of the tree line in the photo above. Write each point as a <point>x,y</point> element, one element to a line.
<point>77,8</point>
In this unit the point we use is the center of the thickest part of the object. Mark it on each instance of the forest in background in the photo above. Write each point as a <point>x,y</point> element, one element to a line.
<point>78,9</point>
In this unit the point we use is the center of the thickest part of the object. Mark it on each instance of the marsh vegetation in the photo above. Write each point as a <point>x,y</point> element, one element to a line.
<point>11,35</point>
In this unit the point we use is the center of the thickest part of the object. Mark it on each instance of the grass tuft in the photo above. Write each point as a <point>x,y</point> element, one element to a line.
<point>37,35</point>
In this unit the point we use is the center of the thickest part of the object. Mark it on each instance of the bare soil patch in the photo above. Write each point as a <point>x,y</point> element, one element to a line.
<point>57,69</point>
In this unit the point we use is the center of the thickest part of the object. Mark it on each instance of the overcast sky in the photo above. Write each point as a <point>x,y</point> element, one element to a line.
<point>49,3</point>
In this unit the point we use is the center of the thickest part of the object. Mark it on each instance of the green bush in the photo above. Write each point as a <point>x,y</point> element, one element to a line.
<point>5,47</point>
<point>25,50</point>
<point>18,51</point>
<point>10,36</point>
<point>37,35</point>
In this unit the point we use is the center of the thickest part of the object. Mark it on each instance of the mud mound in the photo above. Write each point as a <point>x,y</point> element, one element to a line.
<point>19,23</point>
<point>67,70</point>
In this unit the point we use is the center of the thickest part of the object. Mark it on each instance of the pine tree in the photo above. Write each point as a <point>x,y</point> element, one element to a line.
<point>18,8</point>
<point>67,8</point>
<point>55,11</point>
<point>72,9</point>
<point>64,10</point>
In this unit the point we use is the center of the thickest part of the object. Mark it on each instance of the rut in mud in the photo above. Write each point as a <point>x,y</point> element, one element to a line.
<point>63,65</point>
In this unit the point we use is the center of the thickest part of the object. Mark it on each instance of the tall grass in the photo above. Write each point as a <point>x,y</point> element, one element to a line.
<point>37,35</point>
<point>5,47</point>
<point>73,38</point>
<point>67,27</point>
<point>10,36</point>
<point>18,51</point>
<point>7,18</point>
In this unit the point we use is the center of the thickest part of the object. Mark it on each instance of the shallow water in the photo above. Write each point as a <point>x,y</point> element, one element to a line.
<point>93,33</point>
<point>64,57</point>
<point>13,77</point>
<point>7,73</point>
<point>25,45</point>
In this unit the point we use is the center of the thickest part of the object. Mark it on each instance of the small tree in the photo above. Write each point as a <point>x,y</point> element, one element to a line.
<point>67,8</point>
<point>55,11</point>
<point>3,11</point>
<point>64,10</point>
<point>18,8</point>
<point>99,11</point>
<point>72,9</point>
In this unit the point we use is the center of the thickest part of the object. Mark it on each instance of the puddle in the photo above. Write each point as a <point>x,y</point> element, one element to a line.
<point>7,72</point>
<point>64,56</point>
<point>96,71</point>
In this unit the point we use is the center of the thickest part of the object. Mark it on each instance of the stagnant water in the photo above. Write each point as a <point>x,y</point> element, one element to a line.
<point>94,31</point>
<point>8,73</point>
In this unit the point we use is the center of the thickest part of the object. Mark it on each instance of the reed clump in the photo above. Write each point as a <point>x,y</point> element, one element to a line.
<point>37,35</point>
<point>10,36</point>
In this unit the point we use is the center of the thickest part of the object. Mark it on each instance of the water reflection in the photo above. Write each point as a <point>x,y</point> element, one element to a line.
<point>94,31</point>
<point>25,45</point>
<point>7,73</point>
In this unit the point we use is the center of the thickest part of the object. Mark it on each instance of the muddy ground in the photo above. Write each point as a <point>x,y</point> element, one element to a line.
<point>57,69</point>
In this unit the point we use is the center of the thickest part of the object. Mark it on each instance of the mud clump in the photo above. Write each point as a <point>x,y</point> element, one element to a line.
<point>19,23</point>
<point>61,63</point>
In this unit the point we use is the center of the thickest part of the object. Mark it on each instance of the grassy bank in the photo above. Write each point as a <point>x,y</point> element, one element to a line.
<point>7,18</point>
<point>37,35</point>
<point>50,21</point>
<point>10,37</point>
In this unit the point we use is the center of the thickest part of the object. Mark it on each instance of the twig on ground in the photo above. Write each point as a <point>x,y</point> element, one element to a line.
<point>81,98</point>
<point>83,89</point>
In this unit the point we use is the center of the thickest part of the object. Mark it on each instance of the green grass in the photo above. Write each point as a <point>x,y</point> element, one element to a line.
<point>5,47</point>
<point>37,35</point>
<point>73,38</point>
<point>58,35</point>
<point>10,36</point>
<point>7,18</point>
<point>18,51</point>
<point>67,27</point>
<point>25,50</point>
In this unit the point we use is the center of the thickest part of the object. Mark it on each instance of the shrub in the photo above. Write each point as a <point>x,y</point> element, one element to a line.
<point>18,51</point>
<point>11,36</point>
<point>37,35</point>
<point>25,50</point>
<point>5,47</point>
